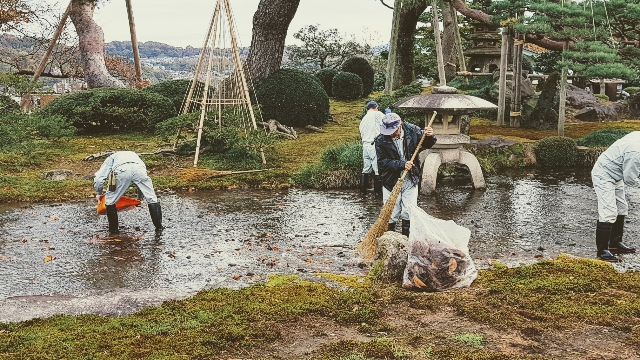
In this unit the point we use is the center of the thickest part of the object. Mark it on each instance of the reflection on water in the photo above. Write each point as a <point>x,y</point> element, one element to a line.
<point>234,238</point>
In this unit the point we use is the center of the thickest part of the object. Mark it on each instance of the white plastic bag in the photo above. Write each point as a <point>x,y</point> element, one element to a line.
<point>438,254</point>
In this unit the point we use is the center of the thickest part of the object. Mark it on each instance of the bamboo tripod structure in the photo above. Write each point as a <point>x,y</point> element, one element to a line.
<point>241,96</point>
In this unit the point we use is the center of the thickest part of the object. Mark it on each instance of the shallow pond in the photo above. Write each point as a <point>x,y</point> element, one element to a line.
<point>235,238</point>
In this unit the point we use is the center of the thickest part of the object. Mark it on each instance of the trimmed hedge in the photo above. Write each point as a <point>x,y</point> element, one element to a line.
<point>109,110</point>
<point>294,98</point>
<point>174,90</point>
<point>326,78</point>
<point>602,138</point>
<point>8,105</point>
<point>363,69</point>
<point>346,86</point>
<point>556,151</point>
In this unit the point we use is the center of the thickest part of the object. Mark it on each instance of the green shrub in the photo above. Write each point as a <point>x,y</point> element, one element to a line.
<point>603,97</point>
<point>346,86</point>
<point>556,151</point>
<point>293,98</point>
<point>326,78</point>
<point>8,105</point>
<point>632,90</point>
<point>339,167</point>
<point>51,127</point>
<point>363,69</point>
<point>602,138</point>
<point>14,132</point>
<point>109,110</point>
<point>174,90</point>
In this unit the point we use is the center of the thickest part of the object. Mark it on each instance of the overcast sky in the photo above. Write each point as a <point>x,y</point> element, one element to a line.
<point>184,22</point>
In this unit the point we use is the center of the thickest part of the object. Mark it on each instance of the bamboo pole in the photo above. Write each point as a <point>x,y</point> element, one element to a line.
<point>203,105</point>
<point>461,60</point>
<point>393,48</point>
<point>563,92</point>
<point>134,41</point>
<point>236,57</point>
<point>502,87</point>
<point>517,74</point>
<point>185,106</point>
<point>436,31</point>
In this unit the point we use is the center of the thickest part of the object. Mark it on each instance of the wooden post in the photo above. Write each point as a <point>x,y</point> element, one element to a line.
<point>461,60</point>
<point>517,74</point>
<point>436,32</point>
<point>26,103</point>
<point>207,82</point>
<point>185,106</point>
<point>563,92</point>
<point>134,42</point>
<point>393,48</point>
<point>236,57</point>
<point>502,84</point>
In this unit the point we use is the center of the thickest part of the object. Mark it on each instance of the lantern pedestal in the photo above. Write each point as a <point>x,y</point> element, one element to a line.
<point>448,149</point>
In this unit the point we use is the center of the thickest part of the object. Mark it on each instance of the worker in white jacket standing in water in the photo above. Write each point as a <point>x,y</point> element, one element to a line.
<point>617,167</point>
<point>369,129</point>
<point>123,168</point>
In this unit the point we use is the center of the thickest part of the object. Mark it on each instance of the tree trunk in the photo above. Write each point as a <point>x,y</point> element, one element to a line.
<point>448,42</point>
<point>91,44</point>
<point>270,24</point>
<point>409,15</point>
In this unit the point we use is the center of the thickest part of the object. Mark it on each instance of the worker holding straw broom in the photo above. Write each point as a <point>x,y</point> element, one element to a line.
<point>394,148</point>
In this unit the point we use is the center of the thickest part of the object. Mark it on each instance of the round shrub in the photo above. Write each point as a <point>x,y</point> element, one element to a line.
<point>556,151</point>
<point>8,105</point>
<point>346,86</point>
<point>363,69</point>
<point>175,90</point>
<point>602,138</point>
<point>294,98</point>
<point>603,97</point>
<point>108,110</point>
<point>326,78</point>
<point>632,90</point>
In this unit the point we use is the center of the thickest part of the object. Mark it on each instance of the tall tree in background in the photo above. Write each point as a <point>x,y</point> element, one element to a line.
<point>323,48</point>
<point>91,45</point>
<point>270,25</point>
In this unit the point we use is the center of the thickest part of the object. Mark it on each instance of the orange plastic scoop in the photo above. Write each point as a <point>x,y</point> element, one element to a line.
<point>124,203</point>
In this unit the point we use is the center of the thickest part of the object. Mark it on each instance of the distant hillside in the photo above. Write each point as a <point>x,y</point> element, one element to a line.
<point>153,49</point>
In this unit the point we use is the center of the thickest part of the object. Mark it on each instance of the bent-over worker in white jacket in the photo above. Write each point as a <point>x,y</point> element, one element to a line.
<point>127,168</point>
<point>617,167</point>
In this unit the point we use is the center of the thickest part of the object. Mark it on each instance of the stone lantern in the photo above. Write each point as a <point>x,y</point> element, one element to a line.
<point>450,107</point>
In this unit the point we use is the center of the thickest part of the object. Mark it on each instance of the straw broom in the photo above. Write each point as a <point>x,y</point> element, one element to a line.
<point>367,247</point>
<point>193,174</point>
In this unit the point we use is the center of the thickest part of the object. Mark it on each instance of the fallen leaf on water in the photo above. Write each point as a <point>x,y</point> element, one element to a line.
<point>49,258</point>
<point>2,258</point>
<point>116,240</point>
<point>309,261</point>
<point>236,277</point>
<point>54,218</point>
<point>539,256</point>
<point>172,255</point>
<point>48,248</point>
<point>24,240</point>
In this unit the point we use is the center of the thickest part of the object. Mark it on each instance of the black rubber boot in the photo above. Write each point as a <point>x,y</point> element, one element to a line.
<point>391,227</point>
<point>112,217</point>
<point>615,245</point>
<point>377,186</point>
<point>156,216</point>
<point>406,225</point>
<point>363,184</point>
<point>603,235</point>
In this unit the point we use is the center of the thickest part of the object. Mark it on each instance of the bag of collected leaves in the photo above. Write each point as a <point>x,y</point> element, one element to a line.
<point>438,254</point>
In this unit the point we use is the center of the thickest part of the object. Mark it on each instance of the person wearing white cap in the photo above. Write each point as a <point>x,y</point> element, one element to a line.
<point>369,129</point>
<point>617,167</point>
<point>394,147</point>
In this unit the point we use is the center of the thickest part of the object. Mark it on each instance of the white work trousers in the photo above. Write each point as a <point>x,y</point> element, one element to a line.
<point>611,197</point>
<point>408,196</point>
<point>369,158</point>
<point>132,173</point>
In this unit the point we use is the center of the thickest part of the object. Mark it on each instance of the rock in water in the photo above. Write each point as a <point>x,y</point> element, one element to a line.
<point>56,175</point>
<point>392,251</point>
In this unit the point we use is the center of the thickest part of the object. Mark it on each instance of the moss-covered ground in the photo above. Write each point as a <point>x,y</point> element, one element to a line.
<point>531,312</point>
<point>20,172</point>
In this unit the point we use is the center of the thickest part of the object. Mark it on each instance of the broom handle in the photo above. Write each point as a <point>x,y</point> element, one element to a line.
<point>415,153</point>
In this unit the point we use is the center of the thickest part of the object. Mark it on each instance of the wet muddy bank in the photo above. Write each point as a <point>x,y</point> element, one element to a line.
<point>236,238</point>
